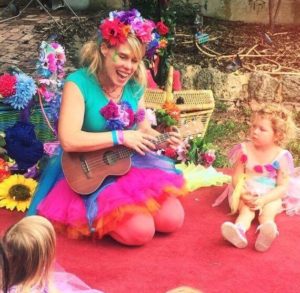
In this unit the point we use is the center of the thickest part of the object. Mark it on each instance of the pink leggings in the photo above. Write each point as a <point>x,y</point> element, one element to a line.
<point>140,228</point>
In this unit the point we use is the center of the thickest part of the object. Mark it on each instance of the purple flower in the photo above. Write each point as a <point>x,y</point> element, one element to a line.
<point>140,115</point>
<point>127,17</point>
<point>110,111</point>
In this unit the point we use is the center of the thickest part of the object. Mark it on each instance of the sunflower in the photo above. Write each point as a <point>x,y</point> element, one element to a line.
<point>16,192</point>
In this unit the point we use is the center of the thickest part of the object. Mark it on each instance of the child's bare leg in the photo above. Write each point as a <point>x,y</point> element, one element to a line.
<point>270,211</point>
<point>235,233</point>
<point>267,228</point>
<point>245,216</point>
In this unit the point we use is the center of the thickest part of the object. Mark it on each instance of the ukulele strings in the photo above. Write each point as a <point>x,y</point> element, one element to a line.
<point>118,155</point>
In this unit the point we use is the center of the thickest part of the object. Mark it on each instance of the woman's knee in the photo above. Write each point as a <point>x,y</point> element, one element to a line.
<point>170,217</point>
<point>136,230</point>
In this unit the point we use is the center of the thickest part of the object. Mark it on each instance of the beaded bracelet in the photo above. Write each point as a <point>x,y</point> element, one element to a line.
<point>120,135</point>
<point>114,137</point>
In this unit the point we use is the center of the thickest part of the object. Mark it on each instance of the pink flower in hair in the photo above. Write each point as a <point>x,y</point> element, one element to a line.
<point>113,32</point>
<point>143,30</point>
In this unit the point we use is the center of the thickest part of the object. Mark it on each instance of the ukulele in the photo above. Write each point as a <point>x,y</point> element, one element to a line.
<point>86,171</point>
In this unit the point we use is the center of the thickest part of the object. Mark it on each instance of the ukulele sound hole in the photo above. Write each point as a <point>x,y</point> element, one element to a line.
<point>110,158</point>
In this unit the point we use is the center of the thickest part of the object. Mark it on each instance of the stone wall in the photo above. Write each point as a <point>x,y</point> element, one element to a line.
<point>237,87</point>
<point>250,11</point>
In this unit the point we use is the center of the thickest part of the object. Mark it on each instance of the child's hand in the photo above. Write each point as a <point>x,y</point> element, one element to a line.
<point>258,203</point>
<point>248,199</point>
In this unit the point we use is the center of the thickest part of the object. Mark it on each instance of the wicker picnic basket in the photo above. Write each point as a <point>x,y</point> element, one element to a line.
<point>196,103</point>
<point>9,116</point>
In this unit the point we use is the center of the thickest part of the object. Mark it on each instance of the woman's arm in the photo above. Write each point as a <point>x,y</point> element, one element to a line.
<point>71,137</point>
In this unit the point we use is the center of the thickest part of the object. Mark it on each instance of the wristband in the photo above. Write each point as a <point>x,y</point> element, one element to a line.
<point>114,137</point>
<point>120,135</point>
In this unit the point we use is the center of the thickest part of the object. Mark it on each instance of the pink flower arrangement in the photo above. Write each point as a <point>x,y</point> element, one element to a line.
<point>121,116</point>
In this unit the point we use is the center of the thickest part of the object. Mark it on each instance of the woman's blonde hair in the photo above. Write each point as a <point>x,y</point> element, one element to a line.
<point>30,248</point>
<point>91,57</point>
<point>281,121</point>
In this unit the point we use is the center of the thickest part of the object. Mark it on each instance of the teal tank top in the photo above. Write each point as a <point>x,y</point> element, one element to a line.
<point>95,99</point>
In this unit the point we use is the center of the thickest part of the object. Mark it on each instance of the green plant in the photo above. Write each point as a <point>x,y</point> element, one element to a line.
<point>221,106</point>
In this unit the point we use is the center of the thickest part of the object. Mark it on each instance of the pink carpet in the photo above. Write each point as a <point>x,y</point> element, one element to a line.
<point>195,256</point>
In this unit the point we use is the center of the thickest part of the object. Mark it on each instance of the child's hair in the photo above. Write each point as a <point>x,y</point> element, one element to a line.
<point>281,120</point>
<point>29,247</point>
<point>4,276</point>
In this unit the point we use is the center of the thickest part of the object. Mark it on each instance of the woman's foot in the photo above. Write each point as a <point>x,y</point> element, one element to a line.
<point>267,234</point>
<point>235,234</point>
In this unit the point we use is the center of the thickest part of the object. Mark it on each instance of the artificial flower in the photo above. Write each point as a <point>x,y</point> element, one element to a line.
<point>112,31</point>
<point>118,25</point>
<point>170,152</point>
<point>22,144</point>
<point>120,116</point>
<point>150,116</point>
<point>7,85</point>
<point>162,28</point>
<point>25,90</point>
<point>140,115</point>
<point>208,158</point>
<point>172,109</point>
<point>16,192</point>
<point>4,170</point>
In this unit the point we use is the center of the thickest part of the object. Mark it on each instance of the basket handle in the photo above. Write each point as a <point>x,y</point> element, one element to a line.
<point>169,85</point>
<point>44,113</point>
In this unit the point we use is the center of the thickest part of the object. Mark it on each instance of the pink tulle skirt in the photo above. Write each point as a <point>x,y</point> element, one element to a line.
<point>140,190</point>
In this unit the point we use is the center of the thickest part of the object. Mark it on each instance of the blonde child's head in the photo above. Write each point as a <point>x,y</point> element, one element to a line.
<point>29,246</point>
<point>281,120</point>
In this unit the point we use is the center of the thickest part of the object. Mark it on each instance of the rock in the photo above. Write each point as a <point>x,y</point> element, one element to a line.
<point>291,88</point>
<point>263,87</point>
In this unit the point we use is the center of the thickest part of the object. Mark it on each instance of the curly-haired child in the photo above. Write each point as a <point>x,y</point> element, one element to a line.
<point>264,178</point>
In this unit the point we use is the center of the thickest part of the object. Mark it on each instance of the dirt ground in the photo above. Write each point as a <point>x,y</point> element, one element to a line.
<point>256,47</point>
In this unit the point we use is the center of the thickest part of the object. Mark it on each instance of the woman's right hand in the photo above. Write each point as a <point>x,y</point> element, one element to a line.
<point>140,141</point>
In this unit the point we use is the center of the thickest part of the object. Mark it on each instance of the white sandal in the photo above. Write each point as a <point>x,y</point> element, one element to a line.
<point>234,234</point>
<point>267,234</point>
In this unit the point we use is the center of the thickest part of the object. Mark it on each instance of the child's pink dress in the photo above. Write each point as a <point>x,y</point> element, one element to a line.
<point>262,178</point>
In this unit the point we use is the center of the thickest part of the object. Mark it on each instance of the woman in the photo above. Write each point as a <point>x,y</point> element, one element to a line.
<point>103,106</point>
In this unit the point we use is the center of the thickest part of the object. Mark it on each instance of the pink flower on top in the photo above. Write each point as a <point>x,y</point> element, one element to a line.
<point>113,32</point>
<point>143,30</point>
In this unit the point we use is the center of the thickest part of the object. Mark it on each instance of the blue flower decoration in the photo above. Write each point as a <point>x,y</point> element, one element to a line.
<point>276,165</point>
<point>114,124</point>
<point>25,90</point>
<point>22,144</point>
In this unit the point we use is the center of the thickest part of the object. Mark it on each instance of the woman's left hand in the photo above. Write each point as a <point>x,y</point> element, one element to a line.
<point>174,139</point>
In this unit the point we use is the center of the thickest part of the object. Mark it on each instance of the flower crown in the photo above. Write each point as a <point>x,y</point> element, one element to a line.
<point>116,28</point>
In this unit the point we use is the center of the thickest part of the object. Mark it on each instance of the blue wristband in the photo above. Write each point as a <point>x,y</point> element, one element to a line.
<point>114,137</point>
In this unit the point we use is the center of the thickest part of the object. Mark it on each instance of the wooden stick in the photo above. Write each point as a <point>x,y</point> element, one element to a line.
<point>205,53</point>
